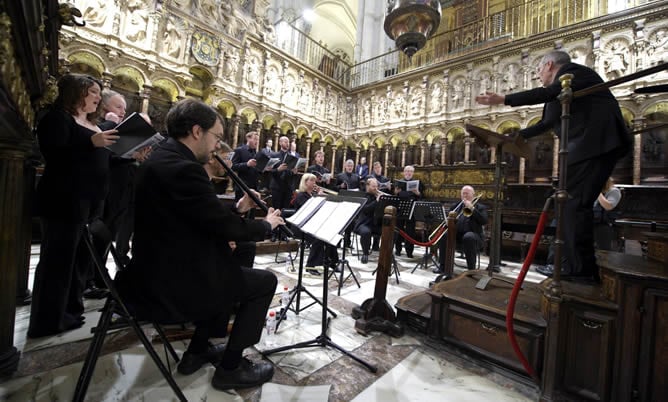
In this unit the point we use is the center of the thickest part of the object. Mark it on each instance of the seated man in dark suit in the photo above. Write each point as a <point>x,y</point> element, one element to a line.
<point>182,267</point>
<point>470,224</point>
<point>365,225</point>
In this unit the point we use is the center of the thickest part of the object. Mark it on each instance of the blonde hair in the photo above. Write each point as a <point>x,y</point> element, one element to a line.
<point>302,183</point>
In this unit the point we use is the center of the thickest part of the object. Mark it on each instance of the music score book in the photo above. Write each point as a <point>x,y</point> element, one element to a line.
<point>407,185</point>
<point>327,217</point>
<point>265,162</point>
<point>133,132</point>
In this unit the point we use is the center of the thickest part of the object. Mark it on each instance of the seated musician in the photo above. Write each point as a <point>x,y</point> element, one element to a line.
<point>182,268</point>
<point>384,184</point>
<point>365,225</point>
<point>407,226</point>
<point>321,253</point>
<point>471,218</point>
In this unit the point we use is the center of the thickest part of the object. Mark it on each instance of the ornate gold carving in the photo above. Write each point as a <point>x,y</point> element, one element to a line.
<point>11,72</point>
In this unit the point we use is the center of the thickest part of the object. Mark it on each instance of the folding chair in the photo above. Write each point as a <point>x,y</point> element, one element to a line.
<point>98,240</point>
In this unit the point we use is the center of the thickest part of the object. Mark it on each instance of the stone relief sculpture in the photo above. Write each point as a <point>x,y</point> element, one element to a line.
<point>510,78</point>
<point>435,98</point>
<point>417,97</point>
<point>305,99</point>
<point>366,112</point>
<point>171,39</point>
<point>320,103</point>
<point>658,45</point>
<point>252,75</point>
<point>616,62</point>
<point>230,64</point>
<point>458,93</point>
<point>137,21</point>
<point>331,108</point>
<point>271,82</point>
<point>289,91</point>
<point>95,12</point>
<point>182,4</point>
<point>398,106</point>
<point>485,82</point>
<point>208,10</point>
<point>579,56</point>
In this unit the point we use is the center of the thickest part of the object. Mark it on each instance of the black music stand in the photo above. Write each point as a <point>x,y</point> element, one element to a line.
<point>514,144</point>
<point>296,291</point>
<point>337,223</point>
<point>427,212</point>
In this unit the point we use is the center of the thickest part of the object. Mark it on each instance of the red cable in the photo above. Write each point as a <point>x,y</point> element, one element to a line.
<point>510,311</point>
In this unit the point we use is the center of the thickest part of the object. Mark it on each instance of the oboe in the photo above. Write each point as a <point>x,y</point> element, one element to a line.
<point>250,193</point>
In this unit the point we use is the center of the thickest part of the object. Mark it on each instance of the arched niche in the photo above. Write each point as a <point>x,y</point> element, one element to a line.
<point>86,63</point>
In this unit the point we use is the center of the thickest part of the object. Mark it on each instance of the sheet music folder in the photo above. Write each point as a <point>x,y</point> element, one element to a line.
<point>513,143</point>
<point>327,217</point>
<point>132,131</point>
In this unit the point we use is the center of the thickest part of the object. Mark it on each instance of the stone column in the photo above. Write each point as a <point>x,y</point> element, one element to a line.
<point>145,97</point>
<point>388,146</point>
<point>423,146</point>
<point>235,130</point>
<point>444,146</point>
<point>404,145</point>
<point>277,134</point>
<point>308,150</point>
<point>358,149</point>
<point>638,124</point>
<point>345,157</point>
<point>107,77</point>
<point>522,170</point>
<point>467,147</point>
<point>331,168</point>
<point>492,155</point>
<point>322,146</point>
<point>372,149</point>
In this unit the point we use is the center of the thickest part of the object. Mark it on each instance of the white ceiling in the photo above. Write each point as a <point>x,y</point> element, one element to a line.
<point>335,24</point>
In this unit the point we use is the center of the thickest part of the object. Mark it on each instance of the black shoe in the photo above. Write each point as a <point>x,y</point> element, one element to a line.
<point>94,292</point>
<point>191,362</point>
<point>409,255</point>
<point>247,375</point>
<point>397,252</point>
<point>313,272</point>
<point>547,270</point>
<point>365,258</point>
<point>437,271</point>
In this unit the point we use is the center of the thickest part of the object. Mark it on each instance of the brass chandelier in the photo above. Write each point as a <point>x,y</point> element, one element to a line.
<point>411,22</point>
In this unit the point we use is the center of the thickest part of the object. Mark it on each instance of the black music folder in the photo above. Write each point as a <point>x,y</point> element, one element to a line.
<point>134,131</point>
<point>294,161</point>
<point>265,162</point>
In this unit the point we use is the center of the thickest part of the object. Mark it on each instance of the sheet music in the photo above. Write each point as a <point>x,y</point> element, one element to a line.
<point>306,211</point>
<point>412,185</point>
<point>320,217</point>
<point>332,217</point>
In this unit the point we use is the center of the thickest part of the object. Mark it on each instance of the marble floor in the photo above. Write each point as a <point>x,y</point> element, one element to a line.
<point>410,368</point>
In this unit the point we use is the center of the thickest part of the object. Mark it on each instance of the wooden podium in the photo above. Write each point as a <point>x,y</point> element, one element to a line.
<point>514,144</point>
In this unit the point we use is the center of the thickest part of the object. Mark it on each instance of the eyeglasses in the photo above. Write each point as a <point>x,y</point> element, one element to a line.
<point>219,136</point>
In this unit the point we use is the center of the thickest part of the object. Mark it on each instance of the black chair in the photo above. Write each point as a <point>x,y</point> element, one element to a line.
<point>98,240</point>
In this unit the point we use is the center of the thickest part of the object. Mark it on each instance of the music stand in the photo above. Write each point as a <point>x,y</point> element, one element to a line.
<point>514,144</point>
<point>337,218</point>
<point>427,212</point>
<point>296,291</point>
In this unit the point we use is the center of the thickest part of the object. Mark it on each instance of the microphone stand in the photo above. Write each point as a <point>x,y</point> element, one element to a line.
<point>247,190</point>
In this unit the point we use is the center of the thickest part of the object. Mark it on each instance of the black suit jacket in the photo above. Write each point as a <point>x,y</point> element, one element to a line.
<point>249,175</point>
<point>366,215</point>
<point>473,223</point>
<point>596,124</point>
<point>352,181</point>
<point>182,267</point>
<point>281,181</point>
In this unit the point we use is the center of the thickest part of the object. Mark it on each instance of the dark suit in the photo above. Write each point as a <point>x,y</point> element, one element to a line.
<point>470,236</point>
<point>182,267</point>
<point>597,139</point>
<point>70,194</point>
<point>362,171</point>
<point>319,170</point>
<point>248,174</point>
<point>281,185</point>
<point>365,224</point>
<point>407,225</point>
<point>351,180</point>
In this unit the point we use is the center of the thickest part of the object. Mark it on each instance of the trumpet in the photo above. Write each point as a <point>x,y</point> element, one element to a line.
<point>463,210</point>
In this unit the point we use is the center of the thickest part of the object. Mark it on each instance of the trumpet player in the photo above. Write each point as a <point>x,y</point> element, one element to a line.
<point>472,216</point>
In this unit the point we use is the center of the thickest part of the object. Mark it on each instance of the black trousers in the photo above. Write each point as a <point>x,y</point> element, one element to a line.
<point>366,232</point>
<point>407,226</point>
<point>470,243</point>
<point>250,313</point>
<point>321,253</point>
<point>584,183</point>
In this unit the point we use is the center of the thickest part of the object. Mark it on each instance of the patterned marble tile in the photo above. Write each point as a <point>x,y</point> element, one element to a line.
<point>421,377</point>
<point>283,393</point>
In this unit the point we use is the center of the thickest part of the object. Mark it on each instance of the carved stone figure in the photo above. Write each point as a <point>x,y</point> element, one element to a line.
<point>95,12</point>
<point>231,64</point>
<point>252,75</point>
<point>366,112</point>
<point>510,78</point>
<point>271,82</point>
<point>416,102</point>
<point>458,93</point>
<point>485,82</point>
<point>137,20</point>
<point>435,99</point>
<point>208,10</point>
<point>305,99</point>
<point>658,47</point>
<point>171,39</point>
<point>399,106</point>
<point>616,63</point>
